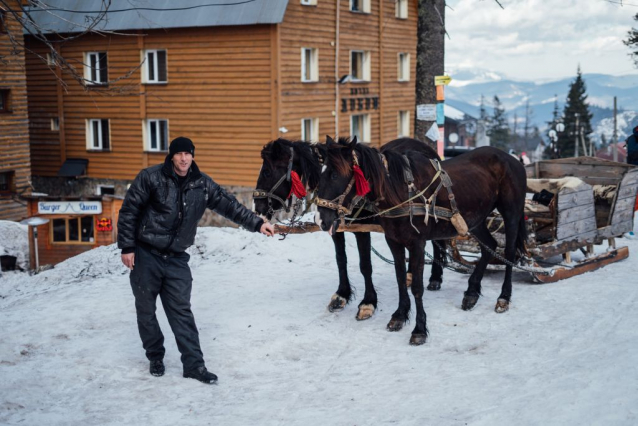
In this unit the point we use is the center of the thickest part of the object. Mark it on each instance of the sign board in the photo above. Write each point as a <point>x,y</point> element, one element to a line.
<point>426,112</point>
<point>440,93</point>
<point>440,114</point>
<point>442,80</point>
<point>104,225</point>
<point>70,207</point>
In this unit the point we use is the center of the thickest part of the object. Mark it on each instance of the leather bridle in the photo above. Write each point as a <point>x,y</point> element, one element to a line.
<point>270,195</point>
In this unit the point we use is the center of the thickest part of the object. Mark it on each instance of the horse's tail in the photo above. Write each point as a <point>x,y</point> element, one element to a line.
<point>521,236</point>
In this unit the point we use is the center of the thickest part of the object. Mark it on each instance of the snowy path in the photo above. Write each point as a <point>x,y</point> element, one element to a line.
<point>565,353</point>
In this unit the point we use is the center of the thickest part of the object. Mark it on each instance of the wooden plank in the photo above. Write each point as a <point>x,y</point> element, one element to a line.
<point>576,229</point>
<point>565,216</point>
<point>590,264</point>
<point>555,248</point>
<point>582,198</point>
<point>614,230</point>
<point>306,228</point>
<point>622,206</point>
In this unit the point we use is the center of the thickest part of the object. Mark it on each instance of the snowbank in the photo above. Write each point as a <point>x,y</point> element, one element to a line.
<point>70,353</point>
<point>15,242</point>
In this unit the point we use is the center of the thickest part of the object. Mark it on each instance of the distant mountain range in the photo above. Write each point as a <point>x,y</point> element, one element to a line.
<point>464,93</point>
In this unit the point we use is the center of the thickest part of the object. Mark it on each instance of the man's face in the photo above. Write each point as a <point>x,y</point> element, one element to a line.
<point>182,162</point>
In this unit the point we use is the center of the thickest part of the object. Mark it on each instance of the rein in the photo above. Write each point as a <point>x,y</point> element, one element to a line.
<point>270,195</point>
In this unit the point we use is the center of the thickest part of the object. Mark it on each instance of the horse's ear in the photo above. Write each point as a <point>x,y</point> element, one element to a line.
<point>277,149</point>
<point>353,143</point>
<point>329,140</point>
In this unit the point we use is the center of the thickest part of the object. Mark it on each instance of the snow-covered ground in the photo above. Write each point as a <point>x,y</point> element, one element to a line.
<point>565,353</point>
<point>14,241</point>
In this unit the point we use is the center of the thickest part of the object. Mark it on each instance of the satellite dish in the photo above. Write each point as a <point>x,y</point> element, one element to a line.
<point>560,127</point>
<point>453,138</point>
<point>34,221</point>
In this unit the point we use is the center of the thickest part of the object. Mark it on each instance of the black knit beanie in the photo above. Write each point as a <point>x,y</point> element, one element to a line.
<point>181,144</point>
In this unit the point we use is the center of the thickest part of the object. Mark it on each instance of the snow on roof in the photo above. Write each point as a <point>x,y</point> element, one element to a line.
<point>453,113</point>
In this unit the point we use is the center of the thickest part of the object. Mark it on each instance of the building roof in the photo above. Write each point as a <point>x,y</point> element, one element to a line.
<point>72,16</point>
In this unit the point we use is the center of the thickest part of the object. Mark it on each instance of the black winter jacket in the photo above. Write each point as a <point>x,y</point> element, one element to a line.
<point>158,213</point>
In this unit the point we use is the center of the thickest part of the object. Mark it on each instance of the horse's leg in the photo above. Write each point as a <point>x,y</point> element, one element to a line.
<point>512,223</point>
<point>369,303</point>
<point>344,292</point>
<point>400,316</point>
<point>417,262</point>
<point>474,283</point>
<point>436,274</point>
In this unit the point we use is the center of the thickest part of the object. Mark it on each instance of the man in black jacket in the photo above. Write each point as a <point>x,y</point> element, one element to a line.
<point>157,223</point>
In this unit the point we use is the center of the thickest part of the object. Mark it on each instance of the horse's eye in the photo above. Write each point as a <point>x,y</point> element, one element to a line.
<point>333,175</point>
<point>267,173</point>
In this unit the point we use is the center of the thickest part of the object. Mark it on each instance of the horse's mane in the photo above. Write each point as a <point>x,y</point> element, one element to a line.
<point>278,151</point>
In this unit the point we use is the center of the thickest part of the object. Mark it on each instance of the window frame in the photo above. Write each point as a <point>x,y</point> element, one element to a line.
<point>145,66</point>
<point>3,25</point>
<point>314,129</point>
<point>403,119</point>
<point>365,67</point>
<point>90,146</point>
<point>146,126</point>
<point>401,10</point>
<point>309,2</point>
<point>88,69</point>
<point>403,66</point>
<point>365,134</point>
<point>11,179</point>
<point>314,65</point>
<point>365,6</point>
<point>55,124</point>
<point>66,229</point>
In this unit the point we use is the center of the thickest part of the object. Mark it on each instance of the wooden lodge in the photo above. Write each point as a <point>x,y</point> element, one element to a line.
<point>14,128</point>
<point>231,78</point>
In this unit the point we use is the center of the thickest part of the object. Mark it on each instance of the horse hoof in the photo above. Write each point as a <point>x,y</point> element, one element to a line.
<point>408,279</point>
<point>417,339</point>
<point>395,325</point>
<point>337,303</point>
<point>502,305</point>
<point>469,302</point>
<point>365,312</point>
<point>434,285</point>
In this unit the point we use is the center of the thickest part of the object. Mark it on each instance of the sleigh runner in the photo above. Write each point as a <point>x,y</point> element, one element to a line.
<point>592,202</point>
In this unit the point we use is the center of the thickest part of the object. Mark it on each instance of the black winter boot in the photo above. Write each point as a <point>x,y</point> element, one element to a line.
<point>202,375</point>
<point>157,368</point>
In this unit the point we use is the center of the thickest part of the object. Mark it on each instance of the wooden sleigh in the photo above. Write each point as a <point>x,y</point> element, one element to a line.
<point>593,204</point>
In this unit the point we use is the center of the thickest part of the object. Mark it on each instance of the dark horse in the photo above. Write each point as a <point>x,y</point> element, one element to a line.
<point>306,160</point>
<point>484,179</point>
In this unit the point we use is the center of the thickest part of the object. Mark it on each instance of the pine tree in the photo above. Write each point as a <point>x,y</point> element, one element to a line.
<point>498,129</point>
<point>576,111</point>
<point>632,42</point>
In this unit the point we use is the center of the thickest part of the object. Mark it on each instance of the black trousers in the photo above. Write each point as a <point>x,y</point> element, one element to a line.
<point>169,277</point>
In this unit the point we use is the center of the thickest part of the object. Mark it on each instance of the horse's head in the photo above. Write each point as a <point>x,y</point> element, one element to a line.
<point>342,179</point>
<point>274,181</point>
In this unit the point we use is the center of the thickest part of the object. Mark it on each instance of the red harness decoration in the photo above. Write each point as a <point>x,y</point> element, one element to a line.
<point>360,181</point>
<point>296,187</point>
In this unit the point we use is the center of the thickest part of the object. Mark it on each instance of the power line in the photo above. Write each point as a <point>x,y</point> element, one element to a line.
<point>621,3</point>
<point>150,9</point>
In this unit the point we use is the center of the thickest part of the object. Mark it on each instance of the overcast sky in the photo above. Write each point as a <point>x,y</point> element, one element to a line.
<point>540,39</point>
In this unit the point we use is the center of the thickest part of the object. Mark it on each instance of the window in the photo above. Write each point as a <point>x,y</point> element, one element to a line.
<point>310,129</point>
<point>72,230</point>
<point>4,100</point>
<point>309,64</point>
<point>362,6</point>
<point>309,2</point>
<point>96,68</point>
<point>105,190</point>
<point>404,67</point>
<point>6,182</point>
<point>156,135</point>
<point>97,135</point>
<point>403,124</point>
<point>154,68</point>
<point>360,127</point>
<point>3,17</point>
<point>360,65</point>
<point>51,60</point>
<point>401,9</point>
<point>55,124</point>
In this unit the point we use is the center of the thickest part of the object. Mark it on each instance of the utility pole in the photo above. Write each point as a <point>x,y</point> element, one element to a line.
<point>430,54</point>
<point>576,140</point>
<point>614,141</point>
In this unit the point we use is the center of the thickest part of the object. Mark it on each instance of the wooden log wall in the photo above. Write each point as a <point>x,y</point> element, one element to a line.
<point>14,128</point>
<point>576,218</point>
<point>218,94</point>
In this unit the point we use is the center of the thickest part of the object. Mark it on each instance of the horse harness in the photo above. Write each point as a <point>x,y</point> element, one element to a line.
<point>408,208</point>
<point>270,195</point>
